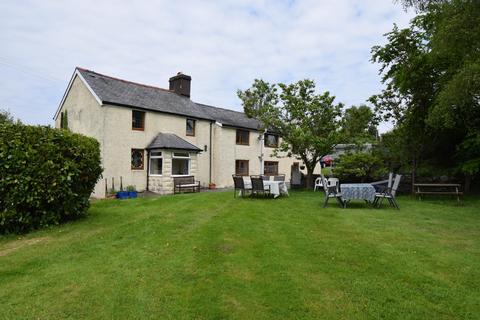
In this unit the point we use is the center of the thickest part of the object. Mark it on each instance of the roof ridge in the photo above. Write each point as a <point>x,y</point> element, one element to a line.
<point>123,80</point>
<point>226,109</point>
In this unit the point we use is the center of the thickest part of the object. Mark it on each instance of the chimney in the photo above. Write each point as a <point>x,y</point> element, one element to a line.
<point>180,84</point>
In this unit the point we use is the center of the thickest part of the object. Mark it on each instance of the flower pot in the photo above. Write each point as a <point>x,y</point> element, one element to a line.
<point>132,194</point>
<point>212,186</point>
<point>122,195</point>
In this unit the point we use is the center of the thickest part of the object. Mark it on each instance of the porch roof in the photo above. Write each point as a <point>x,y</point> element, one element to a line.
<point>171,141</point>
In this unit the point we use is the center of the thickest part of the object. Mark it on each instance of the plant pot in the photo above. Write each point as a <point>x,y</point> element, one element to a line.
<point>132,194</point>
<point>212,186</point>
<point>122,195</point>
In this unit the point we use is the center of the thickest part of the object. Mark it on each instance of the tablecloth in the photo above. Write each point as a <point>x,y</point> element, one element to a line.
<point>276,187</point>
<point>362,191</point>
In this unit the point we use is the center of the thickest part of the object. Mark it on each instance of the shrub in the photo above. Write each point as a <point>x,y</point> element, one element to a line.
<point>358,166</point>
<point>131,188</point>
<point>46,176</point>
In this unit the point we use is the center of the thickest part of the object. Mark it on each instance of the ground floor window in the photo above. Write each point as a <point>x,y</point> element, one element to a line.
<point>241,167</point>
<point>137,159</point>
<point>270,168</point>
<point>181,164</point>
<point>156,163</point>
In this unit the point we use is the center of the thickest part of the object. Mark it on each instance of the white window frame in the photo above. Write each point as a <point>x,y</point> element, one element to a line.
<point>189,158</point>
<point>150,157</point>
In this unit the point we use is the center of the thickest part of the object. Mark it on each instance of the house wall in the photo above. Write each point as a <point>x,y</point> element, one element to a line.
<point>112,127</point>
<point>85,116</point>
<point>226,152</point>
<point>120,139</point>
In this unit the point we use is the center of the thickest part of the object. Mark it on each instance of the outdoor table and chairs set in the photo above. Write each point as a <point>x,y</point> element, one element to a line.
<point>372,193</point>
<point>260,185</point>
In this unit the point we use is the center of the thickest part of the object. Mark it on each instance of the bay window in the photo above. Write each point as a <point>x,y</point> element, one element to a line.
<point>180,164</point>
<point>156,163</point>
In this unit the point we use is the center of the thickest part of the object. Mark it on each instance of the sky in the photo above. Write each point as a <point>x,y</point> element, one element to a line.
<point>222,45</point>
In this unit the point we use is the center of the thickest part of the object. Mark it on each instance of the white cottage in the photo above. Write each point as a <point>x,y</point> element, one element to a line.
<point>148,135</point>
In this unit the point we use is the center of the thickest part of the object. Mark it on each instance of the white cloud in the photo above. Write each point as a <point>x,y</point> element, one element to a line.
<point>223,45</point>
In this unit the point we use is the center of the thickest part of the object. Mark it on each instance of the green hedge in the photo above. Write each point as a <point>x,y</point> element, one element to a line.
<point>46,176</point>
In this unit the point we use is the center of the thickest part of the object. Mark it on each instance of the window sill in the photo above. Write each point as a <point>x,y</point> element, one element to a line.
<point>155,175</point>
<point>180,175</point>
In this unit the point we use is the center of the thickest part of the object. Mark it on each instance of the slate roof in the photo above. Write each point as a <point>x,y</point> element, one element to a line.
<point>120,92</point>
<point>171,141</point>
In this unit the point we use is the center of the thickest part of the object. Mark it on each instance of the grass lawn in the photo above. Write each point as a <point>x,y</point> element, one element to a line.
<point>210,256</point>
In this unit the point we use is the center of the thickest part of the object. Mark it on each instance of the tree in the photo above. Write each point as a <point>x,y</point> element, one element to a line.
<point>419,5</point>
<point>409,78</point>
<point>64,120</point>
<point>5,117</point>
<point>308,123</point>
<point>431,71</point>
<point>359,125</point>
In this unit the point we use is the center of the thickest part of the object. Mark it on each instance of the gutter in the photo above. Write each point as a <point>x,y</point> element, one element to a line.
<point>262,142</point>
<point>148,168</point>
<point>210,155</point>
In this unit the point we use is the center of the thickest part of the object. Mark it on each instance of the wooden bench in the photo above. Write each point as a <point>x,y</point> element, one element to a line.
<point>185,183</point>
<point>437,189</point>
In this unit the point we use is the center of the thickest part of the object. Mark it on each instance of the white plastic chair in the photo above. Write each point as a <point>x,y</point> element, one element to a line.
<point>318,184</point>
<point>330,182</point>
<point>333,182</point>
<point>331,191</point>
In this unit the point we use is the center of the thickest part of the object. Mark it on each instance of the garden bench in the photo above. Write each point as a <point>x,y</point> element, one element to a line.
<point>185,183</point>
<point>437,189</point>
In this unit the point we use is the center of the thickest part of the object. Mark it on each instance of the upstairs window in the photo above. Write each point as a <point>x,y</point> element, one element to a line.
<point>243,137</point>
<point>137,159</point>
<point>190,127</point>
<point>271,140</point>
<point>270,168</point>
<point>241,167</point>
<point>138,120</point>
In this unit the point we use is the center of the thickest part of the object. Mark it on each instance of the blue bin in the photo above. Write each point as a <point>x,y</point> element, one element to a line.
<point>122,195</point>
<point>132,194</point>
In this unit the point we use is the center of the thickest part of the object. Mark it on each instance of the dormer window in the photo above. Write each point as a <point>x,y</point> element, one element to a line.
<point>138,120</point>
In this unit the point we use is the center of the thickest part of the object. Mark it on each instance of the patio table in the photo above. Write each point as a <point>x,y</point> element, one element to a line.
<point>360,191</point>
<point>276,187</point>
